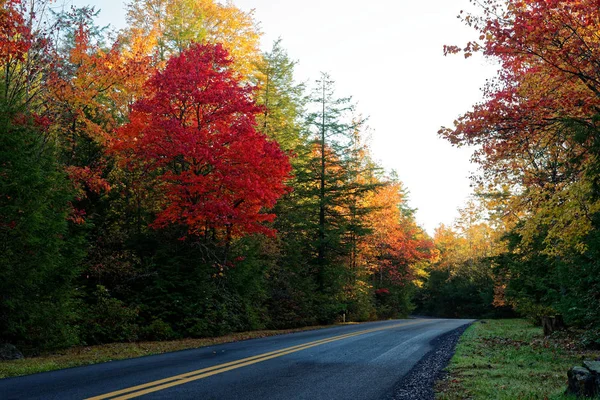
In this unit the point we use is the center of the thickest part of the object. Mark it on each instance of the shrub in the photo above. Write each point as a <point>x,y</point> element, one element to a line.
<point>157,330</point>
<point>108,320</point>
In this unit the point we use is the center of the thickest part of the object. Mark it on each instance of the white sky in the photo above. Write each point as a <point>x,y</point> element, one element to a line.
<point>388,55</point>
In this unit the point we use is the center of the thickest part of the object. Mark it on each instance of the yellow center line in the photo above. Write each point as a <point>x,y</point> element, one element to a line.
<point>188,374</point>
<point>181,379</point>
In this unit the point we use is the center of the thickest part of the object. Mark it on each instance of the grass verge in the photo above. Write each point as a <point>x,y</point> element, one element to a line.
<point>510,359</point>
<point>87,355</point>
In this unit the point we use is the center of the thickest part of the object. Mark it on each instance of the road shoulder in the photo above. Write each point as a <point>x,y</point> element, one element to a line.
<point>419,383</point>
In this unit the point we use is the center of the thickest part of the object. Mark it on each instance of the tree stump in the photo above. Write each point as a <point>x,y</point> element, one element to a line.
<point>551,324</point>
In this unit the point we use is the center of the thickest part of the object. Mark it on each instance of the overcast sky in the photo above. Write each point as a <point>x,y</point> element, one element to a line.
<point>388,55</point>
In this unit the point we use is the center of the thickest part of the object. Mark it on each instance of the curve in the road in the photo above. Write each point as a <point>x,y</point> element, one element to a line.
<point>363,361</point>
<point>150,387</point>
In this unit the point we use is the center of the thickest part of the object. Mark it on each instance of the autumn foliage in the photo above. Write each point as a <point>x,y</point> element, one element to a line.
<point>15,37</point>
<point>196,130</point>
<point>396,249</point>
<point>536,138</point>
<point>141,199</point>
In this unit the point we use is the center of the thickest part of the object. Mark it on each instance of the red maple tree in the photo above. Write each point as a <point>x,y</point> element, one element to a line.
<point>195,130</point>
<point>548,52</point>
<point>15,36</point>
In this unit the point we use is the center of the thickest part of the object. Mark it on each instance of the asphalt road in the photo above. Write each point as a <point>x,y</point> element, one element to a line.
<point>347,362</point>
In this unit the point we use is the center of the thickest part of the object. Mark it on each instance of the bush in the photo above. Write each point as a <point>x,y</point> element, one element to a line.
<point>393,302</point>
<point>108,320</point>
<point>157,330</point>
<point>591,338</point>
<point>362,308</point>
<point>533,312</point>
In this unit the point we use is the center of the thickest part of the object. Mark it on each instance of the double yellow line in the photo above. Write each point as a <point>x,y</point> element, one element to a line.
<point>161,384</point>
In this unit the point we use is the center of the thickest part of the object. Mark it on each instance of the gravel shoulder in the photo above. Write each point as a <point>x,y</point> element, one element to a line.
<point>419,383</point>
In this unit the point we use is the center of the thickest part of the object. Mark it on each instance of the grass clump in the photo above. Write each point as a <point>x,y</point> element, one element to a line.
<point>510,359</point>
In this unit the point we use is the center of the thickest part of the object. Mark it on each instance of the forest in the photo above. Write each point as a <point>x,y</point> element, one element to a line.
<point>171,180</point>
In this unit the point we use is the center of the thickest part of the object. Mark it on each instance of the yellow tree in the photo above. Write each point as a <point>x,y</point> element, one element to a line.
<point>469,247</point>
<point>172,25</point>
<point>451,247</point>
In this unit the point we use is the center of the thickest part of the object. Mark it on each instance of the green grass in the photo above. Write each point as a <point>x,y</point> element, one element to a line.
<point>510,359</point>
<point>86,355</point>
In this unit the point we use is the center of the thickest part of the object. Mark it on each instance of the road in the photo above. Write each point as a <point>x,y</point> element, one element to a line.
<point>362,361</point>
